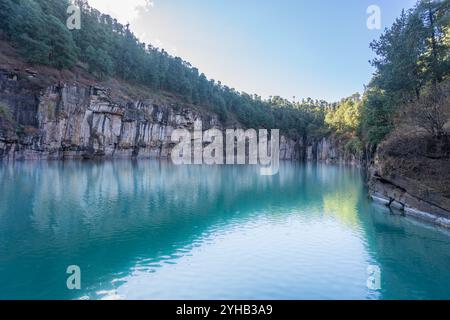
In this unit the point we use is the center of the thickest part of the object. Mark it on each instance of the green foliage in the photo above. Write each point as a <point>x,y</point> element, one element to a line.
<point>346,117</point>
<point>40,37</point>
<point>377,116</point>
<point>62,52</point>
<point>99,62</point>
<point>411,55</point>
<point>435,16</point>
<point>345,120</point>
<point>399,50</point>
<point>413,51</point>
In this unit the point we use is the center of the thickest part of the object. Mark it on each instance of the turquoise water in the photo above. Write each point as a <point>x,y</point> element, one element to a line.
<point>150,230</point>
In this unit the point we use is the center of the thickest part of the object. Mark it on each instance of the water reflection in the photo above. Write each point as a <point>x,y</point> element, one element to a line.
<point>153,230</point>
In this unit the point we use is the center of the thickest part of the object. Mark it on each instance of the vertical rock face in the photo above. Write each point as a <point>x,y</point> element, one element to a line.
<point>77,121</point>
<point>289,149</point>
<point>328,150</point>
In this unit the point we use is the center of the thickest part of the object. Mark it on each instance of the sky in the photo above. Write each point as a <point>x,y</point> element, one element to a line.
<point>302,48</point>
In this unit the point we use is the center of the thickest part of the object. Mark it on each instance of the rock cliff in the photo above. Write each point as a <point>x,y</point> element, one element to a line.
<point>411,174</point>
<point>329,150</point>
<point>74,120</point>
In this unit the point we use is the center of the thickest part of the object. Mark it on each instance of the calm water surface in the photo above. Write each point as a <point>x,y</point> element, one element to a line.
<point>150,230</point>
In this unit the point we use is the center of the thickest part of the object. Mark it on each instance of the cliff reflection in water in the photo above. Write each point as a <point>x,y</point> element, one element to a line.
<point>153,230</point>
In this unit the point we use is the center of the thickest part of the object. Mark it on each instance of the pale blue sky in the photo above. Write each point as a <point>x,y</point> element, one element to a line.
<point>318,49</point>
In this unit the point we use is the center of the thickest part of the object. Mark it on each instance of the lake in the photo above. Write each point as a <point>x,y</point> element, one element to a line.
<point>152,230</point>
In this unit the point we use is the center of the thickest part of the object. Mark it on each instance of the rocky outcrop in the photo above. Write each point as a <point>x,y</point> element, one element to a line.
<point>73,120</point>
<point>406,177</point>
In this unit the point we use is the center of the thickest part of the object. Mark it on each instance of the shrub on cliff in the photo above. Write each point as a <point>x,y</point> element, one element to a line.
<point>345,121</point>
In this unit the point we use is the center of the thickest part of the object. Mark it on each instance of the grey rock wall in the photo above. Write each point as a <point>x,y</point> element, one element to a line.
<point>67,121</point>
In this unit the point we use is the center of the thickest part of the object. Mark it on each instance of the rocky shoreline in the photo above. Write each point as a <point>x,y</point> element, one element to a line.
<point>405,209</point>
